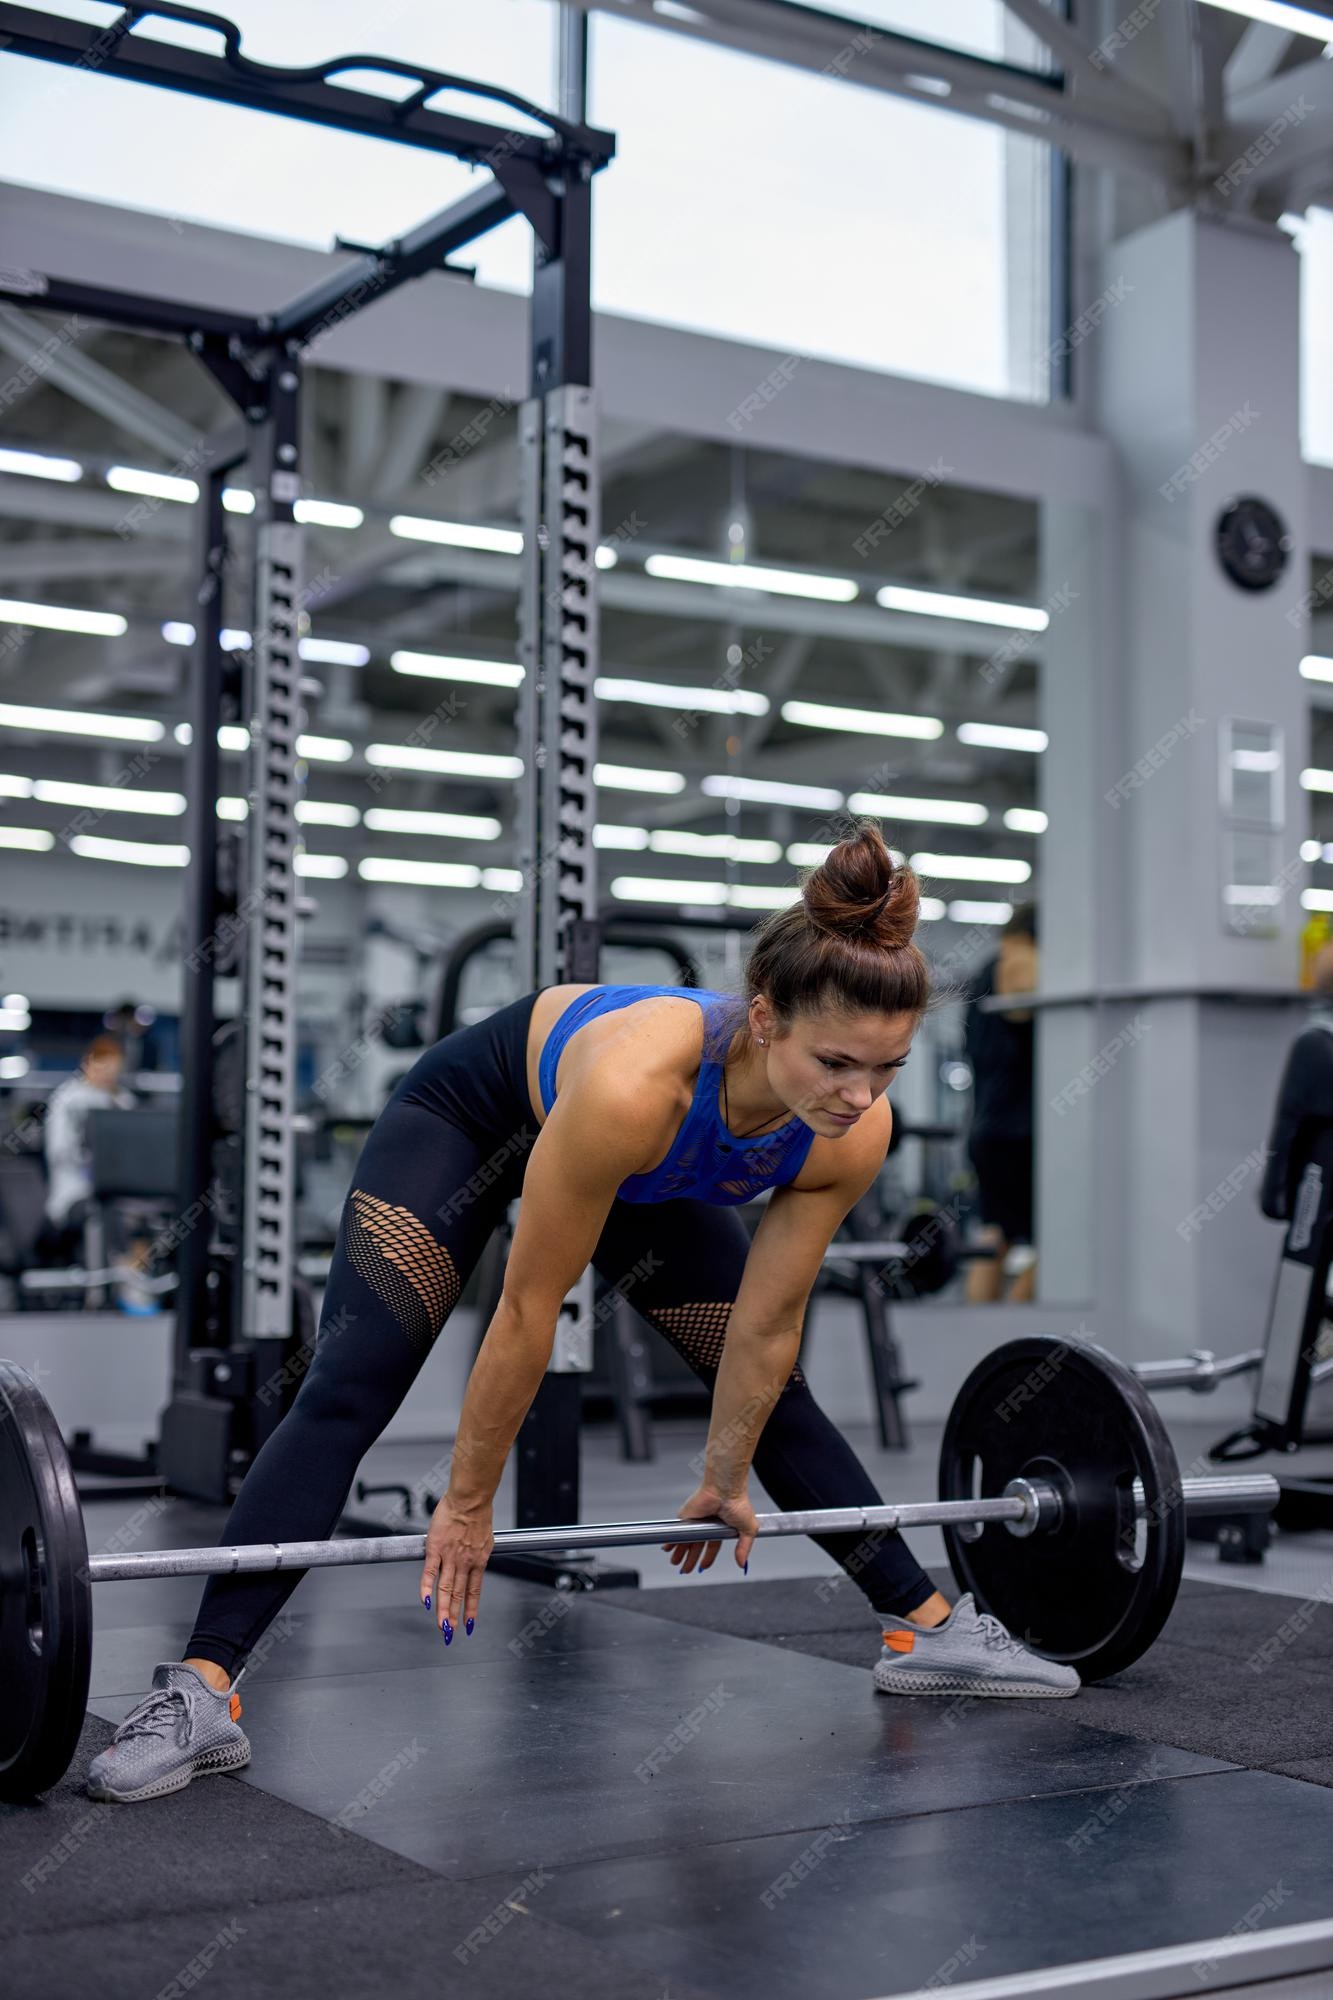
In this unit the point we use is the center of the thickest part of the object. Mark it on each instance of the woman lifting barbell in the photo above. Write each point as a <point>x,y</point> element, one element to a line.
<point>631,1119</point>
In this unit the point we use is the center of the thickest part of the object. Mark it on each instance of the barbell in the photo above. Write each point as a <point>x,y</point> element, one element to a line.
<point>1061,1502</point>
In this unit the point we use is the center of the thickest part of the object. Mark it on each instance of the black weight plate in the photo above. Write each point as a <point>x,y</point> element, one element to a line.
<point>1096,1592</point>
<point>46,1623</point>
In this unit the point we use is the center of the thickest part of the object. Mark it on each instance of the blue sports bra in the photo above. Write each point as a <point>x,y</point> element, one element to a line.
<point>706,1160</point>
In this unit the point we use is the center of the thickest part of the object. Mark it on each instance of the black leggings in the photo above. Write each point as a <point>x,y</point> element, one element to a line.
<point>436,1174</point>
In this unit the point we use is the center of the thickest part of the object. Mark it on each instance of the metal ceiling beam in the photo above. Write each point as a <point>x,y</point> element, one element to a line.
<point>1297,107</point>
<point>1133,135</point>
<point>78,506</point>
<point>66,557</point>
<point>365,414</point>
<point>414,422</point>
<point>1256,56</point>
<point>55,352</point>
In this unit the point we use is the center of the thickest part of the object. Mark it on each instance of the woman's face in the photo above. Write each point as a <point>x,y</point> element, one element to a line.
<point>830,1068</point>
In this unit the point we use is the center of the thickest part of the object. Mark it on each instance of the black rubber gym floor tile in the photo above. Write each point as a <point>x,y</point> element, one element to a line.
<point>360,1946</point>
<point>645,1749</point>
<point>832,1909</point>
<point>312,1636</point>
<point>226,1884</point>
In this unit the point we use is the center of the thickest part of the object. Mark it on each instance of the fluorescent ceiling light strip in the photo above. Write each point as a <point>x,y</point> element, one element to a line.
<point>236,500</point>
<point>866,721</point>
<point>37,465</point>
<point>334,652</point>
<point>1315,780</point>
<point>431,874</point>
<point>1317,667</point>
<point>725,846</point>
<point>235,809</point>
<point>810,853</point>
<point>648,889</point>
<point>459,763</point>
<point>972,867</point>
<point>12,786</point>
<point>1025,819</point>
<point>35,839</point>
<point>327,514</point>
<point>64,722</point>
<point>892,805</point>
<point>508,879</point>
<point>457,534</point>
<point>628,778</point>
<point>752,576</point>
<point>629,838</point>
<point>108,798</point>
<point>152,485</point>
<point>453,667</point>
<point>771,791</point>
<point>1317,899</point>
<point>974,610</point>
<point>452,826</point>
<point>61,618</point>
<point>141,853</point>
<point>661,694</point>
<point>1001,736</point>
<point>1279,14</point>
<point>745,897</point>
<point>328,867</point>
<point>931,910</point>
<point>326,812</point>
<point>233,736</point>
<point>324,749</point>
<point>965,912</point>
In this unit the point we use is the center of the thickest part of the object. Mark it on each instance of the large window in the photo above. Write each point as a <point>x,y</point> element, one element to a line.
<point>796,210</point>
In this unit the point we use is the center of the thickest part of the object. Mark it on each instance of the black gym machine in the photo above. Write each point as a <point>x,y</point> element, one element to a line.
<point>243,1316</point>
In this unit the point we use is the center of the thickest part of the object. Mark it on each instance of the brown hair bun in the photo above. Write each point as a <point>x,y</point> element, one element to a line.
<point>860,891</point>
<point>846,942</point>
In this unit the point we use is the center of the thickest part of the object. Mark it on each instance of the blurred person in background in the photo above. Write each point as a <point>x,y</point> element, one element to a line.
<point>95,1086</point>
<point>999,1142</point>
<point>131,1024</point>
<point>1305,1095</point>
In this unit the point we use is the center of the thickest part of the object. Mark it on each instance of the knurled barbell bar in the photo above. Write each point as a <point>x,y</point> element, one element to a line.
<point>1055,1441</point>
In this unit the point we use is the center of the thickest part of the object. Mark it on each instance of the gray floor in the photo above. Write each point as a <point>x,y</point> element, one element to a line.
<point>681,1790</point>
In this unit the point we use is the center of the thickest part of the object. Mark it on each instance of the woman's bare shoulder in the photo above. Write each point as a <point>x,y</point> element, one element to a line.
<point>637,1064</point>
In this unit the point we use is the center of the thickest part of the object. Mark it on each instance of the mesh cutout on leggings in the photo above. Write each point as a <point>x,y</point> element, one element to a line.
<point>698,1332</point>
<point>401,1261</point>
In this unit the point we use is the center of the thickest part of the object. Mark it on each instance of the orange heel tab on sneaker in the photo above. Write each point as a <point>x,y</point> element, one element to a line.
<point>236,1708</point>
<point>900,1642</point>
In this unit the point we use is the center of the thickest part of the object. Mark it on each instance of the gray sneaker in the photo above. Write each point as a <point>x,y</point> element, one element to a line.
<point>184,1729</point>
<point>970,1653</point>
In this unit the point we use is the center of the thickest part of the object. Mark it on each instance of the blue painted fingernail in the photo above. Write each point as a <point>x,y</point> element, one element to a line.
<point>428,1603</point>
<point>746,1568</point>
<point>470,1623</point>
<point>448,1632</point>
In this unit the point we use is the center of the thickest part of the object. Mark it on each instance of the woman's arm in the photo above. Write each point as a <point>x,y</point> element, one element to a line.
<point>593,1139</point>
<point>766,1321</point>
<point>596,1136</point>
